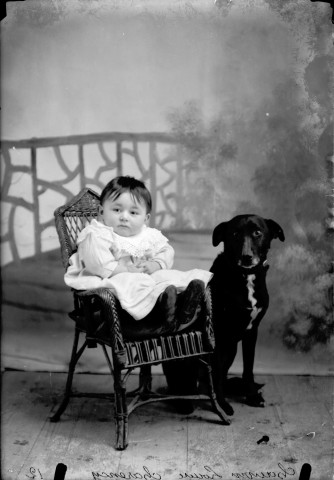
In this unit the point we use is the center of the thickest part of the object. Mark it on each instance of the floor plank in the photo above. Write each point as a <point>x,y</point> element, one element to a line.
<point>163,442</point>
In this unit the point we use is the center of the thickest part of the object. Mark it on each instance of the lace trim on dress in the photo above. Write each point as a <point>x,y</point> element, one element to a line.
<point>147,242</point>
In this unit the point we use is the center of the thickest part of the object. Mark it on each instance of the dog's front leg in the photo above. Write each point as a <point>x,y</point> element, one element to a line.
<point>251,389</point>
<point>223,358</point>
<point>248,354</point>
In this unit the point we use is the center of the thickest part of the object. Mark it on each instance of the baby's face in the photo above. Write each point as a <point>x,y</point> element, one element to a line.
<point>124,214</point>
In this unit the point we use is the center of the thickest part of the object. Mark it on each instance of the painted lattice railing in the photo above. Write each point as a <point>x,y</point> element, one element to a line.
<point>39,174</point>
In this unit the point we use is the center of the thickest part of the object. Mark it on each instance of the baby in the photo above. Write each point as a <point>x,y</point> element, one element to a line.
<point>120,251</point>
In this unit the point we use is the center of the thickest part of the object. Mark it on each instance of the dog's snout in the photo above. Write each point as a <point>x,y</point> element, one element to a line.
<point>247,261</point>
<point>248,257</point>
<point>246,252</point>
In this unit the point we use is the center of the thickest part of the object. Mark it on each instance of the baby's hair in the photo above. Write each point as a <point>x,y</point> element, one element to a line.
<point>121,184</point>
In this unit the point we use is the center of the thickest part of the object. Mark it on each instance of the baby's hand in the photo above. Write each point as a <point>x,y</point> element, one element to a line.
<point>149,266</point>
<point>135,269</point>
<point>116,252</point>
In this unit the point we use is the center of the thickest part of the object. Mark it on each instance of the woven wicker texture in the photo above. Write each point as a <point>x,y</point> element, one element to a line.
<point>98,315</point>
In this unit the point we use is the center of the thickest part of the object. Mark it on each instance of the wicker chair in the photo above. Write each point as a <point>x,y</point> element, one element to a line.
<point>98,316</point>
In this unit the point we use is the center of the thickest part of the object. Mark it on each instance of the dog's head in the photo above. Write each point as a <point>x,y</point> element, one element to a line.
<point>247,239</point>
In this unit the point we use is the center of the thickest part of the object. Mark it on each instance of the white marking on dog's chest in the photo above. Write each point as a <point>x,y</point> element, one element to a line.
<point>251,290</point>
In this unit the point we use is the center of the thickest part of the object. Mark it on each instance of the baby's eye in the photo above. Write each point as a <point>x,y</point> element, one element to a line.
<point>115,209</point>
<point>134,213</point>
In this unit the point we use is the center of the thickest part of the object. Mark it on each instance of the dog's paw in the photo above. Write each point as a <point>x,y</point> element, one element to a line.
<point>257,386</point>
<point>239,387</point>
<point>255,400</point>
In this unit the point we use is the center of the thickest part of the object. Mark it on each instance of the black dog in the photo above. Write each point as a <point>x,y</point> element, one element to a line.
<point>240,300</point>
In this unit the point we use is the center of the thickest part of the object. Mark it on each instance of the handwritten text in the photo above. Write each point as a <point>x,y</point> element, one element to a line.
<point>282,473</point>
<point>147,475</point>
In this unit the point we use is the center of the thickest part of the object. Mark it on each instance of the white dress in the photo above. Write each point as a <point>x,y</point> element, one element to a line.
<point>101,250</point>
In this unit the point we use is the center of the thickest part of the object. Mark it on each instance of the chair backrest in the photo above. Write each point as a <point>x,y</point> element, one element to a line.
<point>72,217</point>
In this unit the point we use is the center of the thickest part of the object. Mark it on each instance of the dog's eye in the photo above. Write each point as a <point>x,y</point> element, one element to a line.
<point>257,233</point>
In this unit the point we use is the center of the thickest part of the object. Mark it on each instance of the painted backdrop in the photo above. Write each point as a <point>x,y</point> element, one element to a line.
<point>235,99</point>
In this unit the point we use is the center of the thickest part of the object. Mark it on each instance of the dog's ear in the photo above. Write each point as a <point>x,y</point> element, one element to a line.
<point>275,230</point>
<point>219,234</point>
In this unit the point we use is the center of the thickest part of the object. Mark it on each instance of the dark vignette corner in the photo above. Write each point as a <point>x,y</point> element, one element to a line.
<point>3,9</point>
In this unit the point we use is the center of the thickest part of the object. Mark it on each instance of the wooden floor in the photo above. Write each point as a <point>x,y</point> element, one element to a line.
<point>164,444</point>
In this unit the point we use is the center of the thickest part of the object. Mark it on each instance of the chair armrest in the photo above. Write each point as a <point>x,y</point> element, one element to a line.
<point>110,314</point>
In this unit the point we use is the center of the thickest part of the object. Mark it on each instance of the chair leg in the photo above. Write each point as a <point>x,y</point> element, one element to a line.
<point>215,405</point>
<point>67,394</point>
<point>121,411</point>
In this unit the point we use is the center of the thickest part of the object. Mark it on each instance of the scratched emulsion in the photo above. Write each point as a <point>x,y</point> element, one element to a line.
<point>35,14</point>
<point>245,84</point>
<point>268,150</point>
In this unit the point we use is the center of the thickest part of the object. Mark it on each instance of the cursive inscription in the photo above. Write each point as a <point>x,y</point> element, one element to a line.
<point>281,473</point>
<point>146,475</point>
<point>209,475</point>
